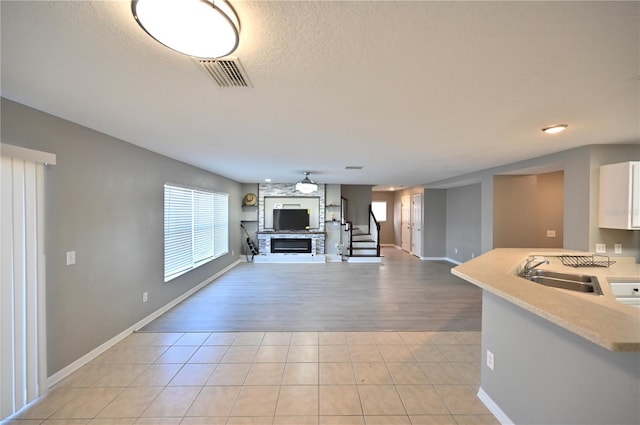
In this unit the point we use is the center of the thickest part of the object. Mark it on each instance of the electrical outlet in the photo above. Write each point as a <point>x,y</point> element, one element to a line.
<point>455,250</point>
<point>71,258</point>
<point>145,297</point>
<point>490,360</point>
<point>551,233</point>
<point>473,255</point>
<point>601,248</point>
<point>617,248</point>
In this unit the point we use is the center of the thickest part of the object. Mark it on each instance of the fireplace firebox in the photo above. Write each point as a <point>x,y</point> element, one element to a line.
<point>291,245</point>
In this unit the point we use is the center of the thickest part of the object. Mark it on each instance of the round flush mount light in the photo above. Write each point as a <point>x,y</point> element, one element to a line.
<point>555,128</point>
<point>200,28</point>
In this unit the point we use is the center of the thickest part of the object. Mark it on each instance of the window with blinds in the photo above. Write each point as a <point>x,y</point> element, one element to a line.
<point>196,228</point>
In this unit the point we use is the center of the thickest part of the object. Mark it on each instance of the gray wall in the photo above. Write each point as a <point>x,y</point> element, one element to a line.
<point>581,184</point>
<point>359,198</point>
<point>525,207</point>
<point>104,199</point>
<point>397,218</point>
<point>435,223</point>
<point>549,209</point>
<point>544,374</point>
<point>514,211</point>
<point>463,222</point>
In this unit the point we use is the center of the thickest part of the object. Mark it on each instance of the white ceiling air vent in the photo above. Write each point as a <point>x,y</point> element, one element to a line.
<point>226,72</point>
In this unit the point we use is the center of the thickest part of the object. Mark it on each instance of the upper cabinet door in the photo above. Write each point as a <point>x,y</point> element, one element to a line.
<point>620,196</point>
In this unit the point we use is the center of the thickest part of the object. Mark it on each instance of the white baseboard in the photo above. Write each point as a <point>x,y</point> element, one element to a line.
<point>451,260</point>
<point>493,408</point>
<point>372,260</point>
<point>293,258</point>
<point>333,258</point>
<point>68,370</point>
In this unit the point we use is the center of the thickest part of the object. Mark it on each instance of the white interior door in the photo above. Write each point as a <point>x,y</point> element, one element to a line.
<point>416,225</point>
<point>405,223</point>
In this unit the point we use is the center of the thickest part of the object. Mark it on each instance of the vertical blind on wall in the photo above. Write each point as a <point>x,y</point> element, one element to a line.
<point>196,228</point>
<point>22,284</point>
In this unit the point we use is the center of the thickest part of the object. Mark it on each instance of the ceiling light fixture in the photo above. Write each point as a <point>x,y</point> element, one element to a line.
<point>199,28</point>
<point>555,128</point>
<point>306,185</point>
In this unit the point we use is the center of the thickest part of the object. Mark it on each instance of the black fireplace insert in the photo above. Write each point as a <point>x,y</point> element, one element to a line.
<point>290,246</point>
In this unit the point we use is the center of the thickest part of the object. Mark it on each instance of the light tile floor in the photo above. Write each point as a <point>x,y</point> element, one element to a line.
<point>273,378</point>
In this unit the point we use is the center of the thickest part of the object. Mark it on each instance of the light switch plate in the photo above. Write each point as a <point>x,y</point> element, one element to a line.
<point>71,258</point>
<point>601,248</point>
<point>490,360</point>
<point>551,233</point>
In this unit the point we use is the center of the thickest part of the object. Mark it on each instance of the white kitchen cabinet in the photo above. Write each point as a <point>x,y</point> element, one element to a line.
<point>620,196</point>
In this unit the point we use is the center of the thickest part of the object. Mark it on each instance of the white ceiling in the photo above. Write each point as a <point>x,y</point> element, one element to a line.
<point>414,92</point>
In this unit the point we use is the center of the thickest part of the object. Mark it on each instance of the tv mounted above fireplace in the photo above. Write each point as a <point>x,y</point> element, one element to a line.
<point>290,219</point>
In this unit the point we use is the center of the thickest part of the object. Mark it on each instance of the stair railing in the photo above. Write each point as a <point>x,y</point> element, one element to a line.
<point>348,224</point>
<point>348,227</point>
<point>373,223</point>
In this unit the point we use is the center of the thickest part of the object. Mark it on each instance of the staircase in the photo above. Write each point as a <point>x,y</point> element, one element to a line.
<point>364,246</point>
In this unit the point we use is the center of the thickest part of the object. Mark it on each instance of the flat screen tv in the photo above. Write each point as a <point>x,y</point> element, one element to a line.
<point>290,219</point>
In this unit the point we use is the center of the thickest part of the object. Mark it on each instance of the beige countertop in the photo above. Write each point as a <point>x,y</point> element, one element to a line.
<point>600,319</point>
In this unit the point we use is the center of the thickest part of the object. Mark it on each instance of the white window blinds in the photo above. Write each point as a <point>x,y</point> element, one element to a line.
<point>196,228</point>
<point>23,343</point>
<point>202,225</point>
<point>220,224</point>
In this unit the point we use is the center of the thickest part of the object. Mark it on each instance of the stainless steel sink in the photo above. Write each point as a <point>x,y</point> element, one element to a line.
<point>565,276</point>
<point>573,282</point>
<point>572,285</point>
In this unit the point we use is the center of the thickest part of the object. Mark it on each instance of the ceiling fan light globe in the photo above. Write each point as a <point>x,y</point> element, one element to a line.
<point>306,187</point>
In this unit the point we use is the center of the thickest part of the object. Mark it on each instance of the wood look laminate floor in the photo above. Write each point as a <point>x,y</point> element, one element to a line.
<point>404,293</point>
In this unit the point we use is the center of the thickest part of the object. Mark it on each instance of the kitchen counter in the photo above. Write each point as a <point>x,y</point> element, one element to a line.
<point>600,319</point>
<point>546,350</point>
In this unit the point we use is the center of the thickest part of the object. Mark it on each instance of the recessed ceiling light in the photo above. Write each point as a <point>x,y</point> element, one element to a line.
<point>555,128</point>
<point>267,180</point>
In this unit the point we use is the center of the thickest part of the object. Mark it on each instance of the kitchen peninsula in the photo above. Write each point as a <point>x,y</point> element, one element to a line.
<point>551,355</point>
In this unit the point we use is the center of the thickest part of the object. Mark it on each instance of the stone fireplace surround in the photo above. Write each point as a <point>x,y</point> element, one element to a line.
<point>265,237</point>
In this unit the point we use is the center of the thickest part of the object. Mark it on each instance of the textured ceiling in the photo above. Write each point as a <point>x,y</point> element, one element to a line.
<point>414,92</point>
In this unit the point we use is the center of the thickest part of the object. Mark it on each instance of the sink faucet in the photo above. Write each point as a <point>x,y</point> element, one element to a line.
<point>528,266</point>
